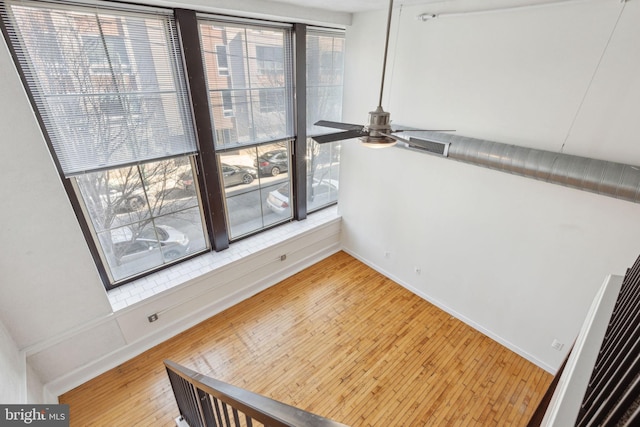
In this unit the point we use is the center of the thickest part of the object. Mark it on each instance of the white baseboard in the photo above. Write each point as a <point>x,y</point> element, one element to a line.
<point>458,315</point>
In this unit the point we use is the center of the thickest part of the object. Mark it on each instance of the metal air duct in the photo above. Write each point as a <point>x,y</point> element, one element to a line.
<point>612,179</point>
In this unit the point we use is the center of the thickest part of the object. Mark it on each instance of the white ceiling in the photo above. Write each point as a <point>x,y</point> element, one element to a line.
<point>354,6</point>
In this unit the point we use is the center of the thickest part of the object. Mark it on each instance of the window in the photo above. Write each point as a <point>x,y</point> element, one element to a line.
<point>227,103</point>
<point>331,62</point>
<point>271,101</point>
<point>114,108</point>
<point>269,59</point>
<point>108,85</point>
<point>224,136</point>
<point>102,61</point>
<point>223,63</point>
<point>245,83</point>
<point>325,53</point>
<point>153,205</point>
<point>254,148</point>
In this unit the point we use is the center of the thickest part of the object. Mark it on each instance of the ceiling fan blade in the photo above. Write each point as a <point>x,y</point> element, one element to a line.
<point>422,130</point>
<point>322,139</point>
<point>338,125</point>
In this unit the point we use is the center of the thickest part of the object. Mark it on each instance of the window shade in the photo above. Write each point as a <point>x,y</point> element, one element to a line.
<point>249,78</point>
<point>325,66</point>
<point>108,84</point>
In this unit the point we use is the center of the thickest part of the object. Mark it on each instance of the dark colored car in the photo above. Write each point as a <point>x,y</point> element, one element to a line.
<point>235,175</point>
<point>231,174</point>
<point>160,240</point>
<point>273,162</point>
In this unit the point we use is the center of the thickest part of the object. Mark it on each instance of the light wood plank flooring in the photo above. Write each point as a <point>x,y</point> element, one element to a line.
<point>337,339</point>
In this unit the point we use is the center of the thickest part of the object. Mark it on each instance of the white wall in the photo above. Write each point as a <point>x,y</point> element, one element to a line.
<point>52,303</point>
<point>13,370</point>
<point>517,258</point>
<point>48,282</point>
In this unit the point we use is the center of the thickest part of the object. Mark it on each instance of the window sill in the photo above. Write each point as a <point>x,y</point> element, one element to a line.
<point>149,286</point>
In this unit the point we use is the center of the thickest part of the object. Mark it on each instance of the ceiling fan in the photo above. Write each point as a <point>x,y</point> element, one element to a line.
<point>378,132</point>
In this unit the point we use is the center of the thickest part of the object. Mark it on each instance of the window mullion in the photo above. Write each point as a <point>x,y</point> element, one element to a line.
<point>299,163</point>
<point>209,178</point>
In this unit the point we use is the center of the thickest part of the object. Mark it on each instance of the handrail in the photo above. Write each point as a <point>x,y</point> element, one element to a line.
<point>600,384</point>
<point>204,402</point>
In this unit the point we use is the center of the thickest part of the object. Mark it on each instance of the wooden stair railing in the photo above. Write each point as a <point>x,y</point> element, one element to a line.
<point>207,402</point>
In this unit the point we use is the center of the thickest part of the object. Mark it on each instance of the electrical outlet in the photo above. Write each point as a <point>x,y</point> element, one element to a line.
<point>387,254</point>
<point>418,270</point>
<point>152,318</point>
<point>557,345</point>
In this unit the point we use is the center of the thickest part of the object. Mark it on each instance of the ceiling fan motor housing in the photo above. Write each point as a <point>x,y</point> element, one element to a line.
<point>379,122</point>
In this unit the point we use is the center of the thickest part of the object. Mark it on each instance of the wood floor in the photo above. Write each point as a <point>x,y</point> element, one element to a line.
<point>337,339</point>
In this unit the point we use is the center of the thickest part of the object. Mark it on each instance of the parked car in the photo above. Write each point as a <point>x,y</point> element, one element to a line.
<point>278,200</point>
<point>273,162</point>
<point>235,175</point>
<point>161,240</point>
<point>322,192</point>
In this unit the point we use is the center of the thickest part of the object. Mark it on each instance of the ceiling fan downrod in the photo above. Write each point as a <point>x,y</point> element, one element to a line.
<point>379,125</point>
<point>386,50</point>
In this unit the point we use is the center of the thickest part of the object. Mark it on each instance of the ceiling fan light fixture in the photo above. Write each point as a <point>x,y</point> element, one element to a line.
<point>377,142</point>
